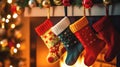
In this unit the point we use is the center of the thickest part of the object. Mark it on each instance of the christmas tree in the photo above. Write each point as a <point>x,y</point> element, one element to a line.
<point>10,33</point>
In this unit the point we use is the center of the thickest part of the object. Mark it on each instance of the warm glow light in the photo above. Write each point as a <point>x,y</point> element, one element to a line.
<point>4,42</point>
<point>15,15</point>
<point>11,66</point>
<point>9,1</point>
<point>7,20</point>
<point>1,42</point>
<point>8,16</point>
<point>18,8</point>
<point>18,45</point>
<point>15,50</point>
<point>12,25</point>
<point>3,19</point>
<point>3,26</point>
<point>79,62</point>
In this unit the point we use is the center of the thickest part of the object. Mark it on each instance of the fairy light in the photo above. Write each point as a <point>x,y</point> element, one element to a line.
<point>1,42</point>
<point>3,25</point>
<point>7,20</point>
<point>11,66</point>
<point>3,19</point>
<point>8,16</point>
<point>15,15</point>
<point>9,1</point>
<point>13,26</point>
<point>18,45</point>
<point>18,8</point>
<point>15,50</point>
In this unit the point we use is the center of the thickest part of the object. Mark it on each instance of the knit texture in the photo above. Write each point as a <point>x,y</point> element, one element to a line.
<point>55,46</point>
<point>61,26</point>
<point>92,44</point>
<point>79,24</point>
<point>72,45</point>
<point>42,28</point>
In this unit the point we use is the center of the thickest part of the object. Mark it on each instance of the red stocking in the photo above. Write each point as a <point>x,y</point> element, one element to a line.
<point>106,30</point>
<point>92,44</point>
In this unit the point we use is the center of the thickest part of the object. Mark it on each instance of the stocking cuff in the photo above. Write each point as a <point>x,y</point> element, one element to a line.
<point>100,24</point>
<point>79,24</point>
<point>61,26</point>
<point>42,28</point>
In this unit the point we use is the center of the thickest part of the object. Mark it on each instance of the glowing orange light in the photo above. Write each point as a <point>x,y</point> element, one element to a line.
<point>79,62</point>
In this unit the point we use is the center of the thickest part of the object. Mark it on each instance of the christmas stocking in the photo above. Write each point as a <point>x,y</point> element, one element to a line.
<point>89,40</point>
<point>106,30</point>
<point>55,46</point>
<point>72,45</point>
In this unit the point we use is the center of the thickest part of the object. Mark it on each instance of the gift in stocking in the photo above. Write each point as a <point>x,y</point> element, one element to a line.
<point>72,45</point>
<point>106,30</point>
<point>92,44</point>
<point>55,46</point>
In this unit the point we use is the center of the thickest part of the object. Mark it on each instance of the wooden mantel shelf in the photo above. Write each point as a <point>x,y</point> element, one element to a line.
<point>96,10</point>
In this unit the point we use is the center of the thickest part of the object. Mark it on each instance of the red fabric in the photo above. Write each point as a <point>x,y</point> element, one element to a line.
<point>106,30</point>
<point>87,3</point>
<point>91,43</point>
<point>42,28</point>
<point>66,2</point>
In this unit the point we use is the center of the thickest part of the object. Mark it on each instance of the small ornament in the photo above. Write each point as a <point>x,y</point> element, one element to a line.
<point>32,3</point>
<point>13,8</point>
<point>66,2</point>
<point>87,3</point>
<point>107,2</point>
<point>46,3</point>
<point>39,1</point>
<point>11,44</point>
<point>57,2</point>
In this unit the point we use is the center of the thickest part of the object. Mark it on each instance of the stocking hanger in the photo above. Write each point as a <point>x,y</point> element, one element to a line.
<point>48,13</point>
<point>65,10</point>
<point>107,10</point>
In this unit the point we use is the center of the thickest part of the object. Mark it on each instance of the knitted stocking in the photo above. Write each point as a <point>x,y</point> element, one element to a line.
<point>106,30</point>
<point>72,45</point>
<point>55,46</point>
<point>89,40</point>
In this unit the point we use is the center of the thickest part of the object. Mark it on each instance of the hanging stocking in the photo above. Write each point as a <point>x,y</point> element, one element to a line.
<point>106,30</point>
<point>72,45</point>
<point>89,40</point>
<point>55,46</point>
